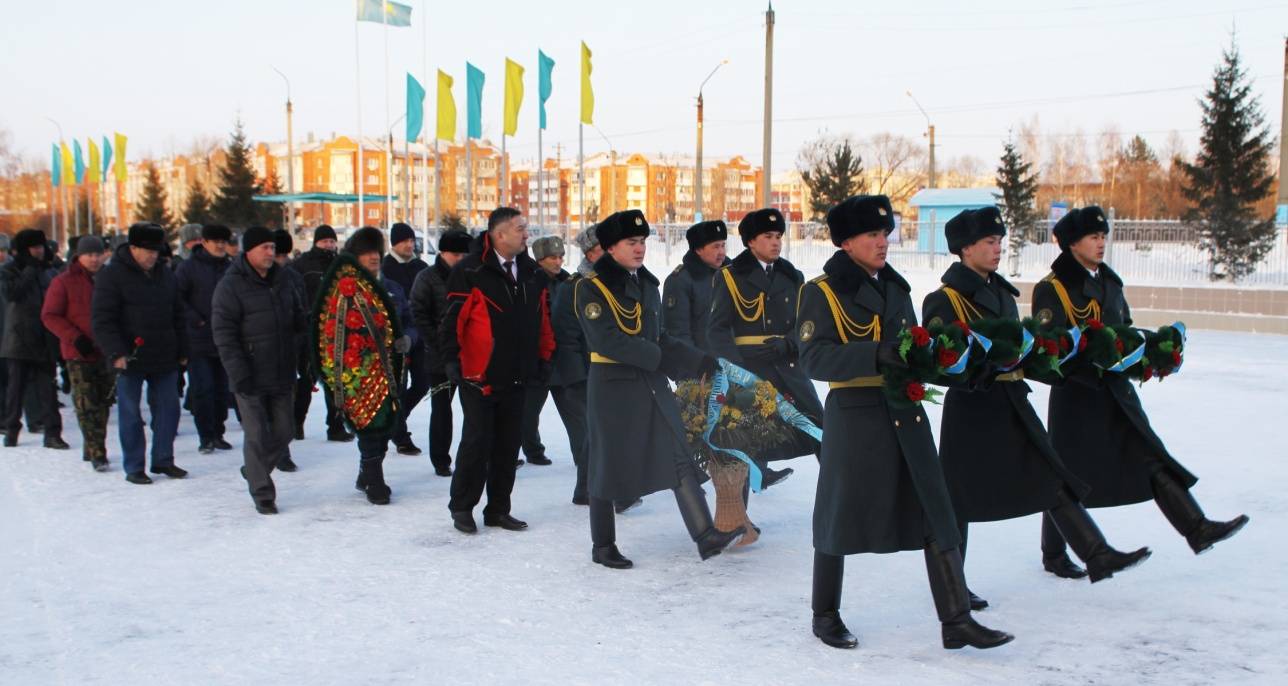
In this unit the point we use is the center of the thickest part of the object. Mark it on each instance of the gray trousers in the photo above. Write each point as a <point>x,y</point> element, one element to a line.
<point>268,424</point>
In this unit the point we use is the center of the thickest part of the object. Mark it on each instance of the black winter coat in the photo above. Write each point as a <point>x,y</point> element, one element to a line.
<point>997,457</point>
<point>1097,422</point>
<point>404,274</point>
<point>686,295</point>
<point>130,303</point>
<point>428,304</point>
<point>23,282</point>
<point>312,265</point>
<point>637,439</point>
<point>257,321</point>
<point>880,486</point>
<point>197,277</point>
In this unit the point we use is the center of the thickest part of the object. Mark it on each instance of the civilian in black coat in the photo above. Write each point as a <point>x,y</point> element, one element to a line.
<point>312,266</point>
<point>402,266</point>
<point>428,305</point>
<point>197,277</point>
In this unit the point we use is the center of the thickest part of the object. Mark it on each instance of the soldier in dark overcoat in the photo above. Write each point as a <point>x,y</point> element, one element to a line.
<point>686,293</point>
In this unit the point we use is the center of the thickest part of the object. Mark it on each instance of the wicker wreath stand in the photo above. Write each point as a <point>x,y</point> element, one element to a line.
<point>731,513</point>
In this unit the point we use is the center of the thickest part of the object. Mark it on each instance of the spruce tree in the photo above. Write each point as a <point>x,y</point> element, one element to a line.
<point>1019,185</point>
<point>1231,174</point>
<point>197,209</point>
<point>832,171</point>
<point>152,206</point>
<point>233,204</point>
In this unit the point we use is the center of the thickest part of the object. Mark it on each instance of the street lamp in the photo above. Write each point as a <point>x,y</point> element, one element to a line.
<point>697,180</point>
<point>290,153</point>
<point>930,133</point>
<point>62,199</point>
<point>612,151</point>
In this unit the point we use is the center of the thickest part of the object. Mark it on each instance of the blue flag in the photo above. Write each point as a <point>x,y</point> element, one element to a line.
<point>415,107</point>
<point>473,101</point>
<point>107,156</point>
<point>545,65</point>
<point>56,167</point>
<point>382,12</point>
<point>79,164</point>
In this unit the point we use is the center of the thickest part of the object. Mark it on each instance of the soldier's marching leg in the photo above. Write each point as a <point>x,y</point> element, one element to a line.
<point>603,536</point>
<point>1080,530</point>
<point>692,502</point>
<point>1055,555</point>
<point>952,602</point>
<point>976,603</point>
<point>1186,516</point>
<point>829,572</point>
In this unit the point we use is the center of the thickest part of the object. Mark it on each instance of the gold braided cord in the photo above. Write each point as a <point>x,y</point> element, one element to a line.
<point>635,313</point>
<point>844,324</point>
<point>756,306</point>
<point>1075,315</point>
<point>965,309</point>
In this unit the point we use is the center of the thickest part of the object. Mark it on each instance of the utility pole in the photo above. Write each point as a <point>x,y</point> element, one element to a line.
<point>290,156</point>
<point>930,133</point>
<point>1283,136</point>
<point>767,187</point>
<point>697,179</point>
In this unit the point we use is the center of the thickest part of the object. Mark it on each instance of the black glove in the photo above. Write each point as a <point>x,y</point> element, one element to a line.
<point>84,346</point>
<point>775,349</point>
<point>708,365</point>
<point>452,370</point>
<point>888,355</point>
<point>402,344</point>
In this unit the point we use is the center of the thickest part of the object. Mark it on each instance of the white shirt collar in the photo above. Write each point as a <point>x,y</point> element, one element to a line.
<point>401,260</point>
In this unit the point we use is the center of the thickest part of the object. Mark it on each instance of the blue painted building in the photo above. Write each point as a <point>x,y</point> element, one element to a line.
<point>945,203</point>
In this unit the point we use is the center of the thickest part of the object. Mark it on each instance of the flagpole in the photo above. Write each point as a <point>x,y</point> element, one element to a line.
<point>89,207</point>
<point>438,175</point>
<point>581,172</point>
<point>407,180</point>
<point>76,207</point>
<point>541,168</point>
<point>389,154</point>
<point>469,182</point>
<point>505,174</point>
<point>357,73</point>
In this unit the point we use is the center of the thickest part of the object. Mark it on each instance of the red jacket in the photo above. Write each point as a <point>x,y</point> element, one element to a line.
<point>66,312</point>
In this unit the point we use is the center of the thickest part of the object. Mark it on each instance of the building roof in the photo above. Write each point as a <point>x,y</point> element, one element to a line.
<point>954,197</point>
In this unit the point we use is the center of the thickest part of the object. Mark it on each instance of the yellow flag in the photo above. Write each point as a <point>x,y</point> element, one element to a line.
<point>446,129</point>
<point>587,95</point>
<point>93,173</point>
<point>69,169</point>
<point>513,95</point>
<point>122,173</point>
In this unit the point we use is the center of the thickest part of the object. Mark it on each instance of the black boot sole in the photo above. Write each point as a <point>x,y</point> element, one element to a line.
<point>1238,524</point>
<point>956,643</point>
<point>1100,575</point>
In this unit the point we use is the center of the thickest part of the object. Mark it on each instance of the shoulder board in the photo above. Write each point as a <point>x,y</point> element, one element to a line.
<point>819,279</point>
<point>592,275</point>
<point>1049,277</point>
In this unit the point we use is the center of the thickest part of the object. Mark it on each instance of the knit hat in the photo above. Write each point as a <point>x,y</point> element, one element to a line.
<point>764,220</point>
<point>324,232</point>
<point>365,240</point>
<point>587,239</point>
<point>401,232</point>
<point>970,226</point>
<point>703,233</point>
<point>282,242</point>
<point>254,237</point>
<point>454,240</point>
<point>147,235</point>
<point>88,245</point>
<point>216,232</point>
<point>546,246</point>
<point>1079,222</point>
<point>860,214</point>
<point>619,226</point>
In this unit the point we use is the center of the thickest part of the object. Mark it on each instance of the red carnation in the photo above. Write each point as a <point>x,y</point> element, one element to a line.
<point>329,328</point>
<point>138,342</point>
<point>315,389</point>
<point>352,358</point>
<point>348,286</point>
<point>720,398</point>
<point>1052,348</point>
<point>332,303</point>
<point>1147,373</point>
<point>1064,344</point>
<point>330,351</point>
<point>380,319</point>
<point>355,342</point>
<point>948,357</point>
<point>1095,324</point>
<point>920,336</point>
<point>1118,345</point>
<point>353,320</point>
<point>1082,344</point>
<point>1176,358</point>
<point>915,391</point>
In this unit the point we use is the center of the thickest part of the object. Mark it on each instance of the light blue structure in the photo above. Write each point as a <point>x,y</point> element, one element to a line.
<point>946,203</point>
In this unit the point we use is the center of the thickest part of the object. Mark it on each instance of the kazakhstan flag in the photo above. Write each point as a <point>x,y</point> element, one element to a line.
<point>383,12</point>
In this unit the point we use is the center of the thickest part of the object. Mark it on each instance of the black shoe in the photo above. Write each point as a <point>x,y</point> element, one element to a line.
<point>339,436</point>
<point>299,432</point>
<point>771,477</point>
<point>714,541</point>
<point>622,507</point>
<point>206,448</point>
<point>968,632</point>
<point>580,499</point>
<point>609,556</point>
<point>831,630</point>
<point>518,463</point>
<point>286,464</point>
<point>99,464</point>
<point>377,494</point>
<point>172,471</point>
<point>1210,533</point>
<point>1110,562</point>
<point>443,471</point>
<point>265,507</point>
<point>408,448</point>
<point>138,478</point>
<point>1063,567</point>
<point>221,444</point>
<point>505,521</point>
<point>540,461</point>
<point>36,428</point>
<point>976,603</point>
<point>464,522</point>
<point>11,439</point>
<point>56,443</point>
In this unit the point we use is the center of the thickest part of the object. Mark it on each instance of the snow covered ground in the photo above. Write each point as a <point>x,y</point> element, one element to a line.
<point>182,582</point>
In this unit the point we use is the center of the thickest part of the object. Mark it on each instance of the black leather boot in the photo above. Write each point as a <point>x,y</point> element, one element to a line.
<point>1055,558</point>
<point>976,603</point>
<point>371,480</point>
<point>603,536</point>
<point>697,519</point>
<point>948,587</point>
<point>1080,530</point>
<point>1185,515</point>
<point>829,572</point>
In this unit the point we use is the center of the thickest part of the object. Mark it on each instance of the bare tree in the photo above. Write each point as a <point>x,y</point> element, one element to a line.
<point>1108,144</point>
<point>896,166</point>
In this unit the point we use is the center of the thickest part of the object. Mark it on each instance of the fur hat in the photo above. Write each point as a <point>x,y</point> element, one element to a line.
<point>620,226</point>
<point>216,232</point>
<point>283,242</point>
<point>587,240</point>
<point>454,240</point>
<point>324,232</point>
<point>365,240</point>
<point>546,246</point>
<point>860,214</point>
<point>970,226</point>
<point>147,235</point>
<point>191,232</point>
<point>400,232</point>
<point>256,236</point>
<point>761,221</point>
<point>703,233</point>
<point>1079,222</point>
<point>27,238</point>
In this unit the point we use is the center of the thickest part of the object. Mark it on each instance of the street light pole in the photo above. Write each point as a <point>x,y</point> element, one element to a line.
<point>62,189</point>
<point>930,133</point>
<point>697,178</point>
<point>290,154</point>
<point>612,151</point>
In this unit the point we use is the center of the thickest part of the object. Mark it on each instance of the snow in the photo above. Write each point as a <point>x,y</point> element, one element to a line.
<point>182,582</point>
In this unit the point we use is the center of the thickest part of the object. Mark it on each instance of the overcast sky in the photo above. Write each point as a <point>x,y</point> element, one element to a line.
<point>164,73</point>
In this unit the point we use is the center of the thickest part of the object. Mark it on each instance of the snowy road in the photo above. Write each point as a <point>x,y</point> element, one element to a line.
<point>102,582</point>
